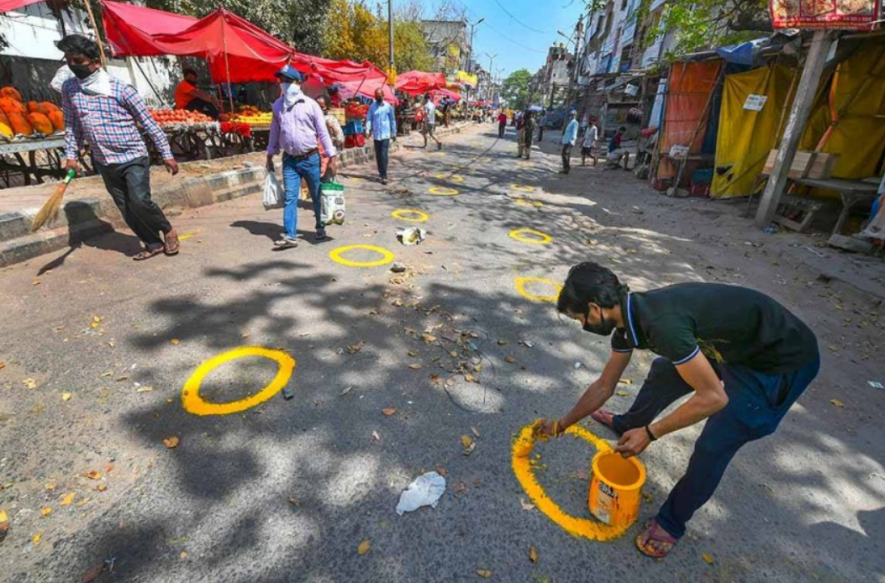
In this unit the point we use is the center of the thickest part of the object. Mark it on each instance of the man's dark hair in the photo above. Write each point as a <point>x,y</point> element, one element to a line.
<point>189,71</point>
<point>427,96</point>
<point>79,45</point>
<point>590,283</point>
<point>622,129</point>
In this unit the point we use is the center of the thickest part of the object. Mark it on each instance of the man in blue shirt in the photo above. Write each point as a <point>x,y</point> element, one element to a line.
<point>381,122</point>
<point>569,137</point>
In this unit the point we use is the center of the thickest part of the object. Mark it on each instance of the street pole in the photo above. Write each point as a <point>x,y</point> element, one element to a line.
<point>470,60</point>
<point>491,73</point>
<point>391,71</point>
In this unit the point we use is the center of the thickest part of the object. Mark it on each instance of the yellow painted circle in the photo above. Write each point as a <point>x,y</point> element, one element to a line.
<point>442,191</point>
<point>522,281</point>
<point>387,256</point>
<point>576,526</point>
<point>411,215</point>
<point>194,403</point>
<point>453,178</point>
<point>522,188</point>
<point>526,202</point>
<point>531,236</point>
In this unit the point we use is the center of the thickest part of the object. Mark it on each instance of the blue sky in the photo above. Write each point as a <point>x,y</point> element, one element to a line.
<point>520,41</point>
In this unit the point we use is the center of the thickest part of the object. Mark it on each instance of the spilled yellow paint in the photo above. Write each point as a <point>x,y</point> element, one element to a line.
<point>411,215</point>
<point>531,236</point>
<point>443,191</point>
<point>522,467</point>
<point>386,256</point>
<point>187,236</point>
<point>522,188</point>
<point>521,282</point>
<point>194,403</point>
<point>528,202</point>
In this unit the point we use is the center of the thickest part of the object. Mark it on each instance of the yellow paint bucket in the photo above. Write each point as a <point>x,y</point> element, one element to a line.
<point>616,488</point>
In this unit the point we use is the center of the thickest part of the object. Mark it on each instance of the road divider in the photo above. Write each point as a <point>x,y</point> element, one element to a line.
<point>532,236</point>
<point>521,283</point>
<point>190,395</point>
<point>386,256</point>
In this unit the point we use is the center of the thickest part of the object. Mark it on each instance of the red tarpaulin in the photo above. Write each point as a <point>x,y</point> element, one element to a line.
<point>352,78</point>
<point>7,5</point>
<point>226,41</point>
<point>440,94</point>
<point>418,82</point>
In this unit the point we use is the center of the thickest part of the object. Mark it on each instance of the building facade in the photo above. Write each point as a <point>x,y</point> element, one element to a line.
<point>449,44</point>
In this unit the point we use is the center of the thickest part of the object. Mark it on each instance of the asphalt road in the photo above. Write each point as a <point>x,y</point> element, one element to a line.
<point>288,489</point>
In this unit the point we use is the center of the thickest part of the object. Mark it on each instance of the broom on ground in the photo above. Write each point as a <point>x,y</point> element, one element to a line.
<point>49,211</point>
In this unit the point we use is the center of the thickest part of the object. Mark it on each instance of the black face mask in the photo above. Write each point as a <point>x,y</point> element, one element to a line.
<point>81,71</point>
<point>603,328</point>
<point>379,99</point>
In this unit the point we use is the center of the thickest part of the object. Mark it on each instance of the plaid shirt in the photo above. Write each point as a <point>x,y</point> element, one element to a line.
<point>107,124</point>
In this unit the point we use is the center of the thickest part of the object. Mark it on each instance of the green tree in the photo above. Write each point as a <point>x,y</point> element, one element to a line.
<point>515,89</point>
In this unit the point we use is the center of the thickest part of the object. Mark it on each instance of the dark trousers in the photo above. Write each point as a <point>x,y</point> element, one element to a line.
<point>501,128</point>
<point>566,158</point>
<point>382,156</point>
<point>129,184</point>
<point>204,107</point>
<point>756,404</point>
<point>540,133</point>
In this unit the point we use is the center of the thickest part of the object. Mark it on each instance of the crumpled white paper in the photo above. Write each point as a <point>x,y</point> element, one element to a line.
<point>411,236</point>
<point>424,491</point>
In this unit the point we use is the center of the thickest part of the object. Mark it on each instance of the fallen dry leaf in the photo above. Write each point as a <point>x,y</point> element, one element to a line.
<point>428,338</point>
<point>36,282</point>
<point>101,487</point>
<point>93,475</point>
<point>412,353</point>
<point>388,412</point>
<point>533,554</point>
<point>50,486</point>
<point>66,396</point>
<point>466,441</point>
<point>293,501</point>
<point>502,343</point>
<point>46,511</point>
<point>2,365</point>
<point>354,348</point>
<point>623,393</point>
<point>469,449</point>
<point>474,430</point>
<point>30,383</point>
<point>416,366</point>
<point>183,554</point>
<point>364,547</point>
<point>67,499</point>
<point>477,368</point>
<point>175,341</point>
<point>837,402</point>
<point>708,558</point>
<point>171,442</point>
<point>144,389</point>
<point>647,497</point>
<point>510,358</point>
<point>526,505</point>
<point>459,488</point>
<point>93,573</point>
<point>484,573</point>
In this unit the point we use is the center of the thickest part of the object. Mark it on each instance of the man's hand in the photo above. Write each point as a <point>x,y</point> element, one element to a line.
<point>72,165</point>
<point>633,442</point>
<point>269,165</point>
<point>550,428</point>
<point>171,166</point>
<point>333,166</point>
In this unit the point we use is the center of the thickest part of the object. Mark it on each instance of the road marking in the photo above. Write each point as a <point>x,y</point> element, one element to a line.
<point>528,202</point>
<point>416,215</point>
<point>453,178</point>
<point>576,526</point>
<point>522,188</point>
<point>387,256</point>
<point>522,281</point>
<point>531,236</point>
<point>443,191</point>
<point>190,395</point>
<point>187,236</point>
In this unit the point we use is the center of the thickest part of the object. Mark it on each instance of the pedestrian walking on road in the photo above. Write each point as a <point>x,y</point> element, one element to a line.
<point>541,125</point>
<point>590,138</point>
<point>333,126</point>
<point>102,112</point>
<point>569,137</point>
<point>502,124</point>
<point>297,129</point>
<point>381,123</point>
<point>742,357</point>
<point>525,135</point>
<point>429,122</point>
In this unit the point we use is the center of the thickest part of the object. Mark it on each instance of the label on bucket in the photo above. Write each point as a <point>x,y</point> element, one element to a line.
<point>604,503</point>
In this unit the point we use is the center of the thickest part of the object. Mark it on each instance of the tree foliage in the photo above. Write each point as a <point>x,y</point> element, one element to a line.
<point>515,89</point>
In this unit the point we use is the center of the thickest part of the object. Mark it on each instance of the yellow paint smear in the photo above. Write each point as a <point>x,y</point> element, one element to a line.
<point>522,467</point>
<point>522,188</point>
<point>194,403</point>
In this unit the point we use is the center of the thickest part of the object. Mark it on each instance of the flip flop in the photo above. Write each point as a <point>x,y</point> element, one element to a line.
<point>655,542</point>
<point>172,245</point>
<point>603,417</point>
<point>147,254</point>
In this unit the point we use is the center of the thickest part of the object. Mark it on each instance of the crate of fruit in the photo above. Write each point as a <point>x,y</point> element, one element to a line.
<point>338,112</point>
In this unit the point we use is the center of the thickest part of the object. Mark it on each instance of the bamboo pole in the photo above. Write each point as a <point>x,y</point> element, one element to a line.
<point>104,59</point>
<point>226,62</point>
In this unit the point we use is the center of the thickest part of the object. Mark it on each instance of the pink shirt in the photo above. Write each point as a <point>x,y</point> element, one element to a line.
<point>298,130</point>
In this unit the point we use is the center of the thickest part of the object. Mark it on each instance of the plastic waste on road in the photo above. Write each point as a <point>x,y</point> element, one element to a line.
<point>411,236</point>
<point>424,491</point>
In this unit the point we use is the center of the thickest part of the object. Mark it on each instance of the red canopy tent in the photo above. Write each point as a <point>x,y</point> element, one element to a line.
<point>236,50</point>
<point>352,78</point>
<point>7,5</point>
<point>440,94</point>
<point>418,82</point>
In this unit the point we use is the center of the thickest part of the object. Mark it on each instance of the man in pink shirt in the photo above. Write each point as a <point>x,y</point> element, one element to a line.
<point>297,128</point>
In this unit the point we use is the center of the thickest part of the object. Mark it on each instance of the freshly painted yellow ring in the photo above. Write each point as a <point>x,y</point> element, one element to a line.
<point>417,216</point>
<point>443,191</point>
<point>528,236</point>
<point>194,403</point>
<point>521,463</point>
<point>335,255</point>
<point>522,188</point>
<point>520,289</point>
<point>526,202</point>
<point>453,178</point>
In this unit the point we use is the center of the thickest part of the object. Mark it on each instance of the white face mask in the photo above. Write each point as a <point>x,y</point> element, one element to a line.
<point>290,92</point>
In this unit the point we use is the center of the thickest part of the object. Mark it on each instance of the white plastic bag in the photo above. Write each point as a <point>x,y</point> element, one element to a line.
<point>424,491</point>
<point>273,194</point>
<point>332,198</point>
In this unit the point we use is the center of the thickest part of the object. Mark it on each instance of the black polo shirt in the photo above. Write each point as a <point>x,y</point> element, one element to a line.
<point>728,323</point>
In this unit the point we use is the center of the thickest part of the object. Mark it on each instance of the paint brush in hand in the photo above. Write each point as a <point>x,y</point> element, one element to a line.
<point>49,211</point>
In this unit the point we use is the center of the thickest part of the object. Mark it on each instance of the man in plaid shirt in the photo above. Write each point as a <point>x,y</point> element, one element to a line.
<point>102,112</point>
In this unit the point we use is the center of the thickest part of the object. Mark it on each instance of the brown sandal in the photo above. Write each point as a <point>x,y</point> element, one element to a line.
<point>172,244</point>
<point>147,254</point>
<point>655,542</point>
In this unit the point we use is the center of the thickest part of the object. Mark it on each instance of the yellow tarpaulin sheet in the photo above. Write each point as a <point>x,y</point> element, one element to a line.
<point>856,102</point>
<point>745,136</point>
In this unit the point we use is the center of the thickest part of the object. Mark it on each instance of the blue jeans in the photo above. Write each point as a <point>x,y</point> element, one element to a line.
<point>293,172</point>
<point>382,156</point>
<point>756,404</point>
